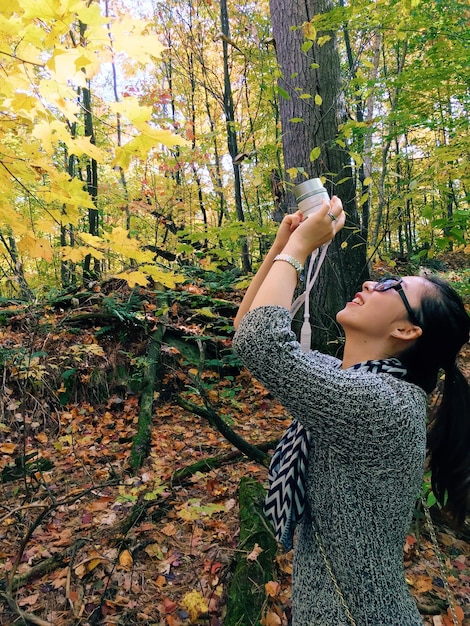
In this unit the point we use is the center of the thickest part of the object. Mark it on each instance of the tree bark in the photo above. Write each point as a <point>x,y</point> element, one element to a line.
<point>316,72</point>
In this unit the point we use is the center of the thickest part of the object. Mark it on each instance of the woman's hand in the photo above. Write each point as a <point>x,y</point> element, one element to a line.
<point>319,228</point>
<point>286,228</point>
<point>298,236</point>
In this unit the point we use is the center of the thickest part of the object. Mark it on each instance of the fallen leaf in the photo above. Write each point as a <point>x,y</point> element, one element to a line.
<point>271,619</point>
<point>423,584</point>
<point>195,604</point>
<point>161,581</point>
<point>272,588</point>
<point>254,554</point>
<point>29,600</point>
<point>125,559</point>
<point>169,605</point>
<point>169,530</point>
<point>458,614</point>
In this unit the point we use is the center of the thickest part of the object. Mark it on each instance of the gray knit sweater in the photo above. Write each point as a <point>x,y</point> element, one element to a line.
<point>365,471</point>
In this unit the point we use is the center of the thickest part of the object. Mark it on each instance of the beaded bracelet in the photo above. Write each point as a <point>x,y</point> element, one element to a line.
<point>297,265</point>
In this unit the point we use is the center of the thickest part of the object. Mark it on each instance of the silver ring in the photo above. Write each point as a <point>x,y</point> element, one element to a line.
<point>333,217</point>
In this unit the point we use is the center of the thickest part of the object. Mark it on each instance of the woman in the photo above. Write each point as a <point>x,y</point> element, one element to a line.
<point>365,421</point>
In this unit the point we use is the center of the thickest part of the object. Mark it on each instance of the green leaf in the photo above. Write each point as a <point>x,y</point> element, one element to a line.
<point>283,93</point>
<point>315,153</point>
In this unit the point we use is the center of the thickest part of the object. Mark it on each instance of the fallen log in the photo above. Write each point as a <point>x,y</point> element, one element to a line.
<point>141,443</point>
<point>205,465</point>
<point>252,452</point>
<point>254,564</point>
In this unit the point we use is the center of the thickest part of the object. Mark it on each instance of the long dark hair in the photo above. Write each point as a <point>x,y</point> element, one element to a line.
<point>446,327</point>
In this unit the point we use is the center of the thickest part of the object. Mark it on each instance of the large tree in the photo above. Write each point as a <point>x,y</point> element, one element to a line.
<point>312,109</point>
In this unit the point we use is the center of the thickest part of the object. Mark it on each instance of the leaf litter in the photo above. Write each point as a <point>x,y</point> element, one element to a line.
<point>87,542</point>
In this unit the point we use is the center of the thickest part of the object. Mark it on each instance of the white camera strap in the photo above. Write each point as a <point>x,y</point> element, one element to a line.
<point>304,298</point>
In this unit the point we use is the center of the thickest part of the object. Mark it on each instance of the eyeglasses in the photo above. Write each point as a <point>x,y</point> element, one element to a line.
<point>396,283</point>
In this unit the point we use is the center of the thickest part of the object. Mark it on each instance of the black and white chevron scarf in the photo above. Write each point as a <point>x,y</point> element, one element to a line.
<point>285,500</point>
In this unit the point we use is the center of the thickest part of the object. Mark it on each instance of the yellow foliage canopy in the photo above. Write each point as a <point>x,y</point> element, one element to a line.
<point>50,51</point>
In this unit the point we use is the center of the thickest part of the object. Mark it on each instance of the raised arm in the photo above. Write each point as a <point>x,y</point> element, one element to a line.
<point>286,228</point>
<point>274,283</point>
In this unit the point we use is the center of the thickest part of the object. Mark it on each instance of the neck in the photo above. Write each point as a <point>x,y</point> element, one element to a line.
<point>359,349</point>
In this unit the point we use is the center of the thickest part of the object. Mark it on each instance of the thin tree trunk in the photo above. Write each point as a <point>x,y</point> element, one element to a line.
<point>16,266</point>
<point>231,131</point>
<point>91,178</point>
<point>386,148</point>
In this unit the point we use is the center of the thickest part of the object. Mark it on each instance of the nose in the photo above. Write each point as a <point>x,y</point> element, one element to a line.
<point>368,285</point>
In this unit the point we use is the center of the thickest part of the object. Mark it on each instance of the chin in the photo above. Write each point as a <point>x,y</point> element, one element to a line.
<point>346,316</point>
<point>341,315</point>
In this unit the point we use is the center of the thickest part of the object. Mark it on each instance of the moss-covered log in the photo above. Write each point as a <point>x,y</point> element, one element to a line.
<point>247,593</point>
<point>254,453</point>
<point>141,443</point>
<point>209,463</point>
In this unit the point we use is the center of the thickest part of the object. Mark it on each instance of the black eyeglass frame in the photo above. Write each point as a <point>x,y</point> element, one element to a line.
<point>395,282</point>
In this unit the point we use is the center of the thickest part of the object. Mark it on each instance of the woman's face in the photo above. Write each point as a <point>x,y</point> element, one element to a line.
<point>378,312</point>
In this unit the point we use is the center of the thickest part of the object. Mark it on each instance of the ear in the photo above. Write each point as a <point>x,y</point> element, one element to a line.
<point>410,332</point>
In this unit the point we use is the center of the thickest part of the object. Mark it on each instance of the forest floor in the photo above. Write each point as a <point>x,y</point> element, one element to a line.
<point>70,536</point>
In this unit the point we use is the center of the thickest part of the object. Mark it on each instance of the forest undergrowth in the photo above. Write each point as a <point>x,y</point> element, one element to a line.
<point>85,538</point>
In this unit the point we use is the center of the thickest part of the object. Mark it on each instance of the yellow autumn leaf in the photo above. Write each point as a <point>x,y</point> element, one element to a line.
<point>50,133</point>
<point>9,217</point>
<point>166,277</point>
<point>75,255</point>
<point>125,559</point>
<point>7,448</point>
<point>83,145</point>
<point>61,96</point>
<point>195,605</point>
<point>70,215</point>
<point>310,32</point>
<point>166,137</point>
<point>92,240</point>
<point>28,52</point>
<point>129,36</point>
<point>141,145</point>
<point>318,99</point>
<point>35,247</point>
<point>50,9</point>
<point>130,107</point>
<point>133,278</point>
<point>66,64</point>
<point>120,243</point>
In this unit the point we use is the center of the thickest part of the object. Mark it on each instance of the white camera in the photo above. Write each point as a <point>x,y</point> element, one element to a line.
<point>309,196</point>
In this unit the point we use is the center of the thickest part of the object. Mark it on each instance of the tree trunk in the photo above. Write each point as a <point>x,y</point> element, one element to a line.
<point>231,131</point>
<point>16,266</point>
<point>316,72</point>
<point>91,178</point>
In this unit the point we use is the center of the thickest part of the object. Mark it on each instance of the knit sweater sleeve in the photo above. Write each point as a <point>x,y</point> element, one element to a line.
<point>353,411</point>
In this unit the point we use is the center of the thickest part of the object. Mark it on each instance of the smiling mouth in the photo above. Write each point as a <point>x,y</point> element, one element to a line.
<point>358,300</point>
